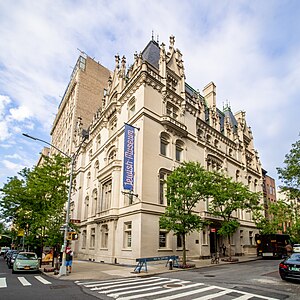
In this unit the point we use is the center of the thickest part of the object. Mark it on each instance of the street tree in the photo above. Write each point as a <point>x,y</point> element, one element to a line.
<point>35,200</point>
<point>278,214</point>
<point>186,186</point>
<point>282,216</point>
<point>290,173</point>
<point>227,198</point>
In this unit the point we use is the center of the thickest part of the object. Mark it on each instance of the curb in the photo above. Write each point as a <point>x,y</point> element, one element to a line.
<point>148,274</point>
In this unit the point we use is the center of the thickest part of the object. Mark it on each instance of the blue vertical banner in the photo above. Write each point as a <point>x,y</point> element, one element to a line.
<point>128,164</point>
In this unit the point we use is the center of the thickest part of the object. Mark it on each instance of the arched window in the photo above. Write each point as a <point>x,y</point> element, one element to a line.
<point>255,185</point>
<point>111,156</point>
<point>213,163</point>
<point>179,150</point>
<point>96,168</point>
<point>237,175</point>
<point>163,174</point>
<point>112,125</point>
<point>98,141</point>
<point>249,179</point>
<point>164,144</point>
<point>86,207</point>
<point>94,203</point>
<point>88,179</point>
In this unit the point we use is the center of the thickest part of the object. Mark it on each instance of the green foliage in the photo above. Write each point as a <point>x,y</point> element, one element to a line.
<point>186,186</point>
<point>290,173</point>
<point>227,197</point>
<point>279,215</point>
<point>35,200</point>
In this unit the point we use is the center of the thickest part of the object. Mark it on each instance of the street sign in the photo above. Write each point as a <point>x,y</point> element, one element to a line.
<point>74,221</point>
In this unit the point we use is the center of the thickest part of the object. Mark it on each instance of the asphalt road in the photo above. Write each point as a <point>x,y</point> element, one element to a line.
<point>259,277</point>
<point>28,286</point>
<point>255,280</point>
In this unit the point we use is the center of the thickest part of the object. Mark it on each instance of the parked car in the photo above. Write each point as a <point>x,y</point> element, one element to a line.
<point>290,267</point>
<point>12,259</point>
<point>296,248</point>
<point>9,253</point>
<point>26,261</point>
<point>3,250</point>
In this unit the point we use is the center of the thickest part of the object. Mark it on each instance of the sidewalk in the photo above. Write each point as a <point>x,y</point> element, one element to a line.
<point>87,270</point>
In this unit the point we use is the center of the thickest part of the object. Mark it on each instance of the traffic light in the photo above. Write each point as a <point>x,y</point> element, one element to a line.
<point>72,236</point>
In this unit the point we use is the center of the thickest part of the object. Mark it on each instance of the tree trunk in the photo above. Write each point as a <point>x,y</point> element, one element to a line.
<point>184,250</point>
<point>229,248</point>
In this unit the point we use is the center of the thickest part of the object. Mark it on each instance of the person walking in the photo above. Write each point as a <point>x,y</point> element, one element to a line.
<point>69,259</point>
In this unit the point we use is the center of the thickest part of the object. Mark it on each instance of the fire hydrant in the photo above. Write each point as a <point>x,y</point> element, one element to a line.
<point>170,264</point>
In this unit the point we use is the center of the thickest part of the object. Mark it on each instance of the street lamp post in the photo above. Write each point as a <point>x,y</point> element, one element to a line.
<point>63,269</point>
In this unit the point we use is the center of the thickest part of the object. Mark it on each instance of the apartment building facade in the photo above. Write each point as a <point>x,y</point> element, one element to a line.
<point>82,98</point>
<point>149,122</point>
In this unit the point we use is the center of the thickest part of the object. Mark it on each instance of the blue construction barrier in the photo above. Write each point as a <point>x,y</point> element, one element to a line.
<point>142,262</point>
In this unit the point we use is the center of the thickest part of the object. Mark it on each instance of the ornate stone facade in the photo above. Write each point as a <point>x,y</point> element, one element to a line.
<point>175,123</point>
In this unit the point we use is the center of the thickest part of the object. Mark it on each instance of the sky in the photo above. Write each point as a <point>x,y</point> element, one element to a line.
<point>249,49</point>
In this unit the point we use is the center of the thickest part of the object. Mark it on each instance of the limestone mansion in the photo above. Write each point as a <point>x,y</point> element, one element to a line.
<point>143,121</point>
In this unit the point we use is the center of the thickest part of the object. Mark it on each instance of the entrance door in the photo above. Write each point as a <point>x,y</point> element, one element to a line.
<point>213,240</point>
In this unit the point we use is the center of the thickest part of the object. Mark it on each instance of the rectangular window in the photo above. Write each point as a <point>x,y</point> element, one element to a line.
<point>104,236</point>
<point>178,153</point>
<point>172,111</point>
<point>251,237</point>
<point>92,241</point>
<point>179,241</point>
<point>83,239</point>
<point>162,239</point>
<point>127,234</point>
<point>163,147</point>
<point>106,195</point>
<point>204,237</point>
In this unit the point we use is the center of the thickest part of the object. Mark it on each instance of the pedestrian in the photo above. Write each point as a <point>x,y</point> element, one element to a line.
<point>69,259</point>
<point>289,249</point>
<point>224,250</point>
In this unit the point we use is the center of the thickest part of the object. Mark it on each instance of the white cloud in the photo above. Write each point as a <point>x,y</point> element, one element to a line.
<point>11,165</point>
<point>20,113</point>
<point>241,46</point>
<point>14,156</point>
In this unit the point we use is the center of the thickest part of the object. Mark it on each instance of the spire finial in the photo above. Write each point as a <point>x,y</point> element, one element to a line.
<point>152,35</point>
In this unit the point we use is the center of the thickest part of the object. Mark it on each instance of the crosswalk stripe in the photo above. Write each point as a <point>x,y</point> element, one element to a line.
<point>156,293</point>
<point>214,295</point>
<point>106,281</point>
<point>176,296</point>
<point>3,283</point>
<point>42,280</point>
<point>128,285</point>
<point>244,297</point>
<point>121,282</point>
<point>24,281</point>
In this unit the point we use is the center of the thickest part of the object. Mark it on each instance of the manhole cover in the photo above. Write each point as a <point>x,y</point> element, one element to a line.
<point>208,275</point>
<point>172,285</point>
<point>59,287</point>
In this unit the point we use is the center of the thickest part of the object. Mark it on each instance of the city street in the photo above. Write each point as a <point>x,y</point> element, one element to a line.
<point>250,280</point>
<point>36,286</point>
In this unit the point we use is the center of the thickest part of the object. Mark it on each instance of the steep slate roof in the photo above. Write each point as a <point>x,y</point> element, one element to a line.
<point>151,53</point>
<point>228,113</point>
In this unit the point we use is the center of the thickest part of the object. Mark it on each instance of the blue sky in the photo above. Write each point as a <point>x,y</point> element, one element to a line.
<point>249,49</point>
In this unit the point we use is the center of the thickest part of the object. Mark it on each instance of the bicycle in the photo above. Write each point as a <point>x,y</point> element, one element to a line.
<point>215,259</point>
